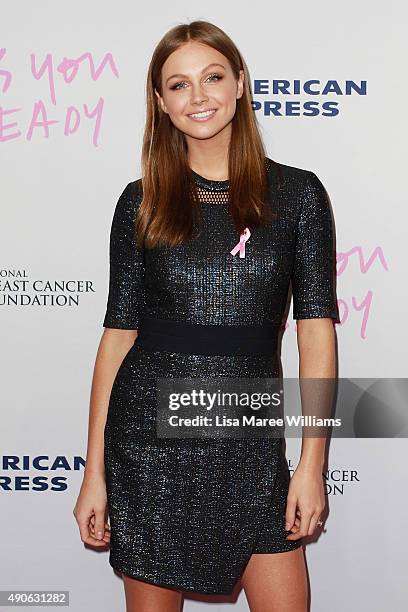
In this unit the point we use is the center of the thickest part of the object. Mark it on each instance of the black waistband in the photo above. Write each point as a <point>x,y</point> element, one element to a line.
<point>195,339</point>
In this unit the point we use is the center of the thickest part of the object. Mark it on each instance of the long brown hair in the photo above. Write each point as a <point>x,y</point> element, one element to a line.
<point>168,208</point>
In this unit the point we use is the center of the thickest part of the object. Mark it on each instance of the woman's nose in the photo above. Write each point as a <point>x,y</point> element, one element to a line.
<point>198,95</point>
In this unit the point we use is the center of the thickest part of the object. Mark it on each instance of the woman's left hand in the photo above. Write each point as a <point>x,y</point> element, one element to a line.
<point>305,502</point>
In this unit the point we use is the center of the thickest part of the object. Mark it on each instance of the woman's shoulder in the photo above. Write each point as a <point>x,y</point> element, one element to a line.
<point>127,203</point>
<point>281,175</point>
<point>134,189</point>
<point>130,197</point>
<point>299,189</point>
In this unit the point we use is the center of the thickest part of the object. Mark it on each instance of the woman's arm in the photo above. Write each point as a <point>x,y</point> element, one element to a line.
<point>114,345</point>
<point>317,359</point>
<point>91,506</point>
<point>121,322</point>
<point>314,308</point>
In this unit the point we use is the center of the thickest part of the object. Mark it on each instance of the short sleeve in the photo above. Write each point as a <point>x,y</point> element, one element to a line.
<point>126,275</point>
<point>314,268</point>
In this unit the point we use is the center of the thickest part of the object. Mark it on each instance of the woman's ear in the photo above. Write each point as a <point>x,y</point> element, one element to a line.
<point>240,87</point>
<point>161,102</point>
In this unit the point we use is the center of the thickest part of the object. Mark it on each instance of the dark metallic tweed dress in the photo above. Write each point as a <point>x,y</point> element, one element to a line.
<point>188,513</point>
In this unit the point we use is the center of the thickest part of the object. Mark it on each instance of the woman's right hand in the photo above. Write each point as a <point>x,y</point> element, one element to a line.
<point>91,512</point>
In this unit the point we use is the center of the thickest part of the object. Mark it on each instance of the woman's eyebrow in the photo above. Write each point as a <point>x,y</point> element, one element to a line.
<point>203,70</point>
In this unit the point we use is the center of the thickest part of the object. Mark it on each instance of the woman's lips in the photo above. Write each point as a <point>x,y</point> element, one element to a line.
<point>206,116</point>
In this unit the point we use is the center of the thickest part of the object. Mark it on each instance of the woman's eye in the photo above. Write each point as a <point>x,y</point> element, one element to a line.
<point>176,85</point>
<point>218,77</point>
<point>211,76</point>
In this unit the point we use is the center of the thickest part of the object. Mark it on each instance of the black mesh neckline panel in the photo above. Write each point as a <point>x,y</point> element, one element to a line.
<point>211,192</point>
<point>209,184</point>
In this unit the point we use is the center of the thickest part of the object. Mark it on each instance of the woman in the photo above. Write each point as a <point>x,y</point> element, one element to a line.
<point>200,514</point>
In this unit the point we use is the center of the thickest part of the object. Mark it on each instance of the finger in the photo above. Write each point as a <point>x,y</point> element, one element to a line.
<point>290,513</point>
<point>296,525</point>
<point>313,523</point>
<point>85,527</point>
<point>83,524</point>
<point>303,529</point>
<point>92,526</point>
<point>94,541</point>
<point>99,528</point>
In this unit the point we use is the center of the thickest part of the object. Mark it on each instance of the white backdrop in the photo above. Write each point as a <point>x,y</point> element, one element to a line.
<point>59,184</point>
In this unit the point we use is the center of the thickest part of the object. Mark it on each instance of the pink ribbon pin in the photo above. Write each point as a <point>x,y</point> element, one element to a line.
<point>240,246</point>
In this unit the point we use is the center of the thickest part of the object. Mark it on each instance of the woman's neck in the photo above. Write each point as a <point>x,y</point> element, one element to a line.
<point>209,157</point>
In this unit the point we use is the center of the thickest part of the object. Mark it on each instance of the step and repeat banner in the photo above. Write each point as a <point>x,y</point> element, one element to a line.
<point>328,91</point>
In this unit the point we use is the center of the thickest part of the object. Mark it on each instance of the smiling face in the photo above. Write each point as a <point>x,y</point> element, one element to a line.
<point>199,90</point>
